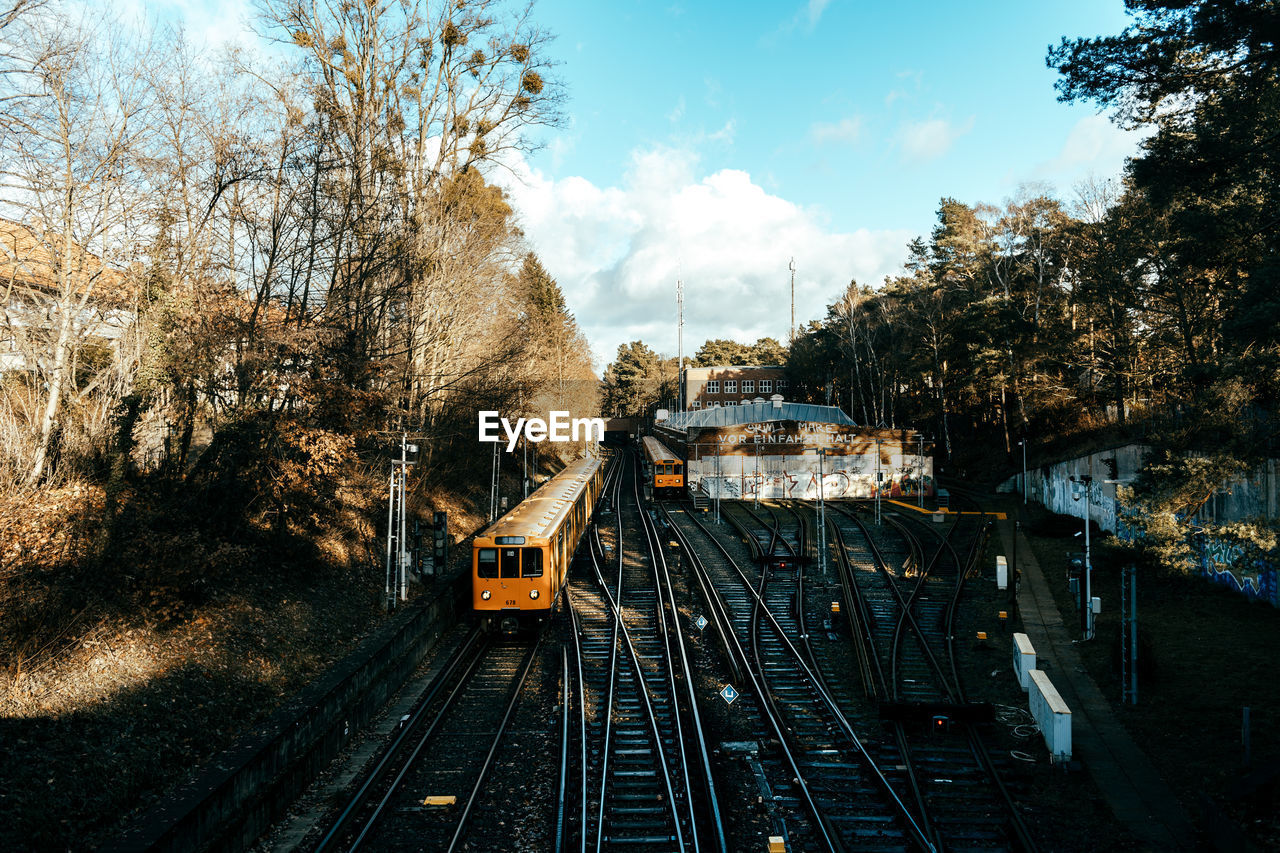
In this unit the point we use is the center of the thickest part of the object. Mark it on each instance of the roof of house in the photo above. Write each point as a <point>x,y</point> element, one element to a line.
<point>30,259</point>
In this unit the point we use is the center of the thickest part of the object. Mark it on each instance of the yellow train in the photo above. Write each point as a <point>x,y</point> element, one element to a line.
<point>664,469</point>
<point>519,563</point>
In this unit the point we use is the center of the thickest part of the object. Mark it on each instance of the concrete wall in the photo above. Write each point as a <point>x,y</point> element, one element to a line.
<point>1249,497</point>
<point>1051,714</point>
<point>245,789</point>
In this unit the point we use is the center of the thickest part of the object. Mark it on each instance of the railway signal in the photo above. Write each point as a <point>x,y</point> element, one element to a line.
<point>728,694</point>
<point>440,541</point>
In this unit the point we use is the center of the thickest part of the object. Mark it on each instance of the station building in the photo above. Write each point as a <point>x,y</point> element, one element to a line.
<point>731,385</point>
<point>776,449</point>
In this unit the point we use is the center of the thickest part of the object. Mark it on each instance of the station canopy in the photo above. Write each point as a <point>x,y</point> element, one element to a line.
<point>753,413</point>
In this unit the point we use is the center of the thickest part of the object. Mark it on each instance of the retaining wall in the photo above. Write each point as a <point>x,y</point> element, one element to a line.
<point>1254,496</point>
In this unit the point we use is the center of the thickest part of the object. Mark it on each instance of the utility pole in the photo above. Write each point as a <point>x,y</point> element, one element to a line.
<point>397,582</point>
<point>792,267</point>
<point>493,482</point>
<point>680,339</point>
<point>1086,614</point>
<point>920,475</point>
<point>822,511</point>
<point>1129,634</point>
<point>1024,471</point>
<point>879,475</point>
<point>759,481</point>
<point>719,478</point>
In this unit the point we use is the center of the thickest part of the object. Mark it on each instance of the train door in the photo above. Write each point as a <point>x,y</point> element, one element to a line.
<point>509,562</point>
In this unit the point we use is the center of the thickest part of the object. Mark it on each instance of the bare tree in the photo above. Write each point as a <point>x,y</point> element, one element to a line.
<point>72,194</point>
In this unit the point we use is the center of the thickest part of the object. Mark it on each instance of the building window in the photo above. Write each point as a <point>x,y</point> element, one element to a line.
<point>713,386</point>
<point>766,386</point>
<point>782,383</point>
<point>731,386</point>
<point>713,405</point>
<point>697,404</point>
<point>749,386</point>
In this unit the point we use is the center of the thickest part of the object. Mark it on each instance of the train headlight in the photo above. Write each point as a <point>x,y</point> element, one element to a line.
<point>533,593</point>
<point>486,595</point>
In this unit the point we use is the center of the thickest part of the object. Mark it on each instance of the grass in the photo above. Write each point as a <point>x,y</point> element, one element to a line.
<point>1205,653</point>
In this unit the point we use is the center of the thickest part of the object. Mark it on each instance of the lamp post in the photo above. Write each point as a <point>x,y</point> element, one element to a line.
<point>1087,481</point>
<point>1023,444</point>
<point>920,470</point>
<point>822,511</point>
<point>759,482</point>
<point>878,476</point>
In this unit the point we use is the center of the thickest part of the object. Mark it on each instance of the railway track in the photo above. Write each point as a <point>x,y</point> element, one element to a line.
<point>645,771</point>
<point>460,724</point>
<point>903,619</point>
<point>828,790</point>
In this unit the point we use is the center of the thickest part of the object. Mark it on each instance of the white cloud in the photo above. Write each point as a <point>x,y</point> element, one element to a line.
<point>618,251</point>
<point>1093,146</point>
<point>815,10</point>
<point>931,138</point>
<point>846,131</point>
<point>678,113</point>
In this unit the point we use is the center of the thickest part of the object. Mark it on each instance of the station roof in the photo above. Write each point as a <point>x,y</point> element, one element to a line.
<point>752,413</point>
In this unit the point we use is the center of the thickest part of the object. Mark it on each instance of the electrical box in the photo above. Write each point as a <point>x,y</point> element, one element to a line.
<point>1096,605</point>
<point>1002,573</point>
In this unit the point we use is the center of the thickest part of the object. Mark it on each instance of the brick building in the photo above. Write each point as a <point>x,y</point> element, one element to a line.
<point>732,385</point>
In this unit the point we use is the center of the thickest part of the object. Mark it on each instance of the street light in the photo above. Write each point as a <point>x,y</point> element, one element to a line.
<point>1023,445</point>
<point>920,470</point>
<point>1087,481</point>
<point>878,476</point>
<point>822,510</point>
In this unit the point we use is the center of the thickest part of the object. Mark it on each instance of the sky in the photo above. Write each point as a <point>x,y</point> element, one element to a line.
<point>714,142</point>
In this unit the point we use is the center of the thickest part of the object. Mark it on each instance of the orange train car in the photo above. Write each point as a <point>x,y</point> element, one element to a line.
<point>664,469</point>
<point>519,563</point>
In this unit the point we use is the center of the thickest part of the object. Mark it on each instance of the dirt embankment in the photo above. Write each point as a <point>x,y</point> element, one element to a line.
<point>135,643</point>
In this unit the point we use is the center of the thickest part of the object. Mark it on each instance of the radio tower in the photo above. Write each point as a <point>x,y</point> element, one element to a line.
<point>792,266</point>
<point>680,343</point>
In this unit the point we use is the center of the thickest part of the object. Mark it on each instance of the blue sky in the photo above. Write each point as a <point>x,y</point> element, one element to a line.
<point>714,141</point>
<point>868,110</point>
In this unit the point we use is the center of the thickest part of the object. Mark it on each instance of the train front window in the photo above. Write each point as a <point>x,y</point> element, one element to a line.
<point>679,469</point>
<point>487,563</point>
<point>509,562</point>
<point>531,563</point>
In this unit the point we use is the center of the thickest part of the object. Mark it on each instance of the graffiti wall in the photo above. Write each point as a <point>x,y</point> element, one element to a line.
<point>781,459</point>
<point>1219,562</point>
<point>1223,563</point>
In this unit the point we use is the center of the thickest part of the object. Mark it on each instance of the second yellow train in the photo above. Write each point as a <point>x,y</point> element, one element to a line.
<point>664,470</point>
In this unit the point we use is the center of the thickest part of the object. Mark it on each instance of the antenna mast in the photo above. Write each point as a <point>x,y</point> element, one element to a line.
<point>680,342</point>
<point>792,267</point>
